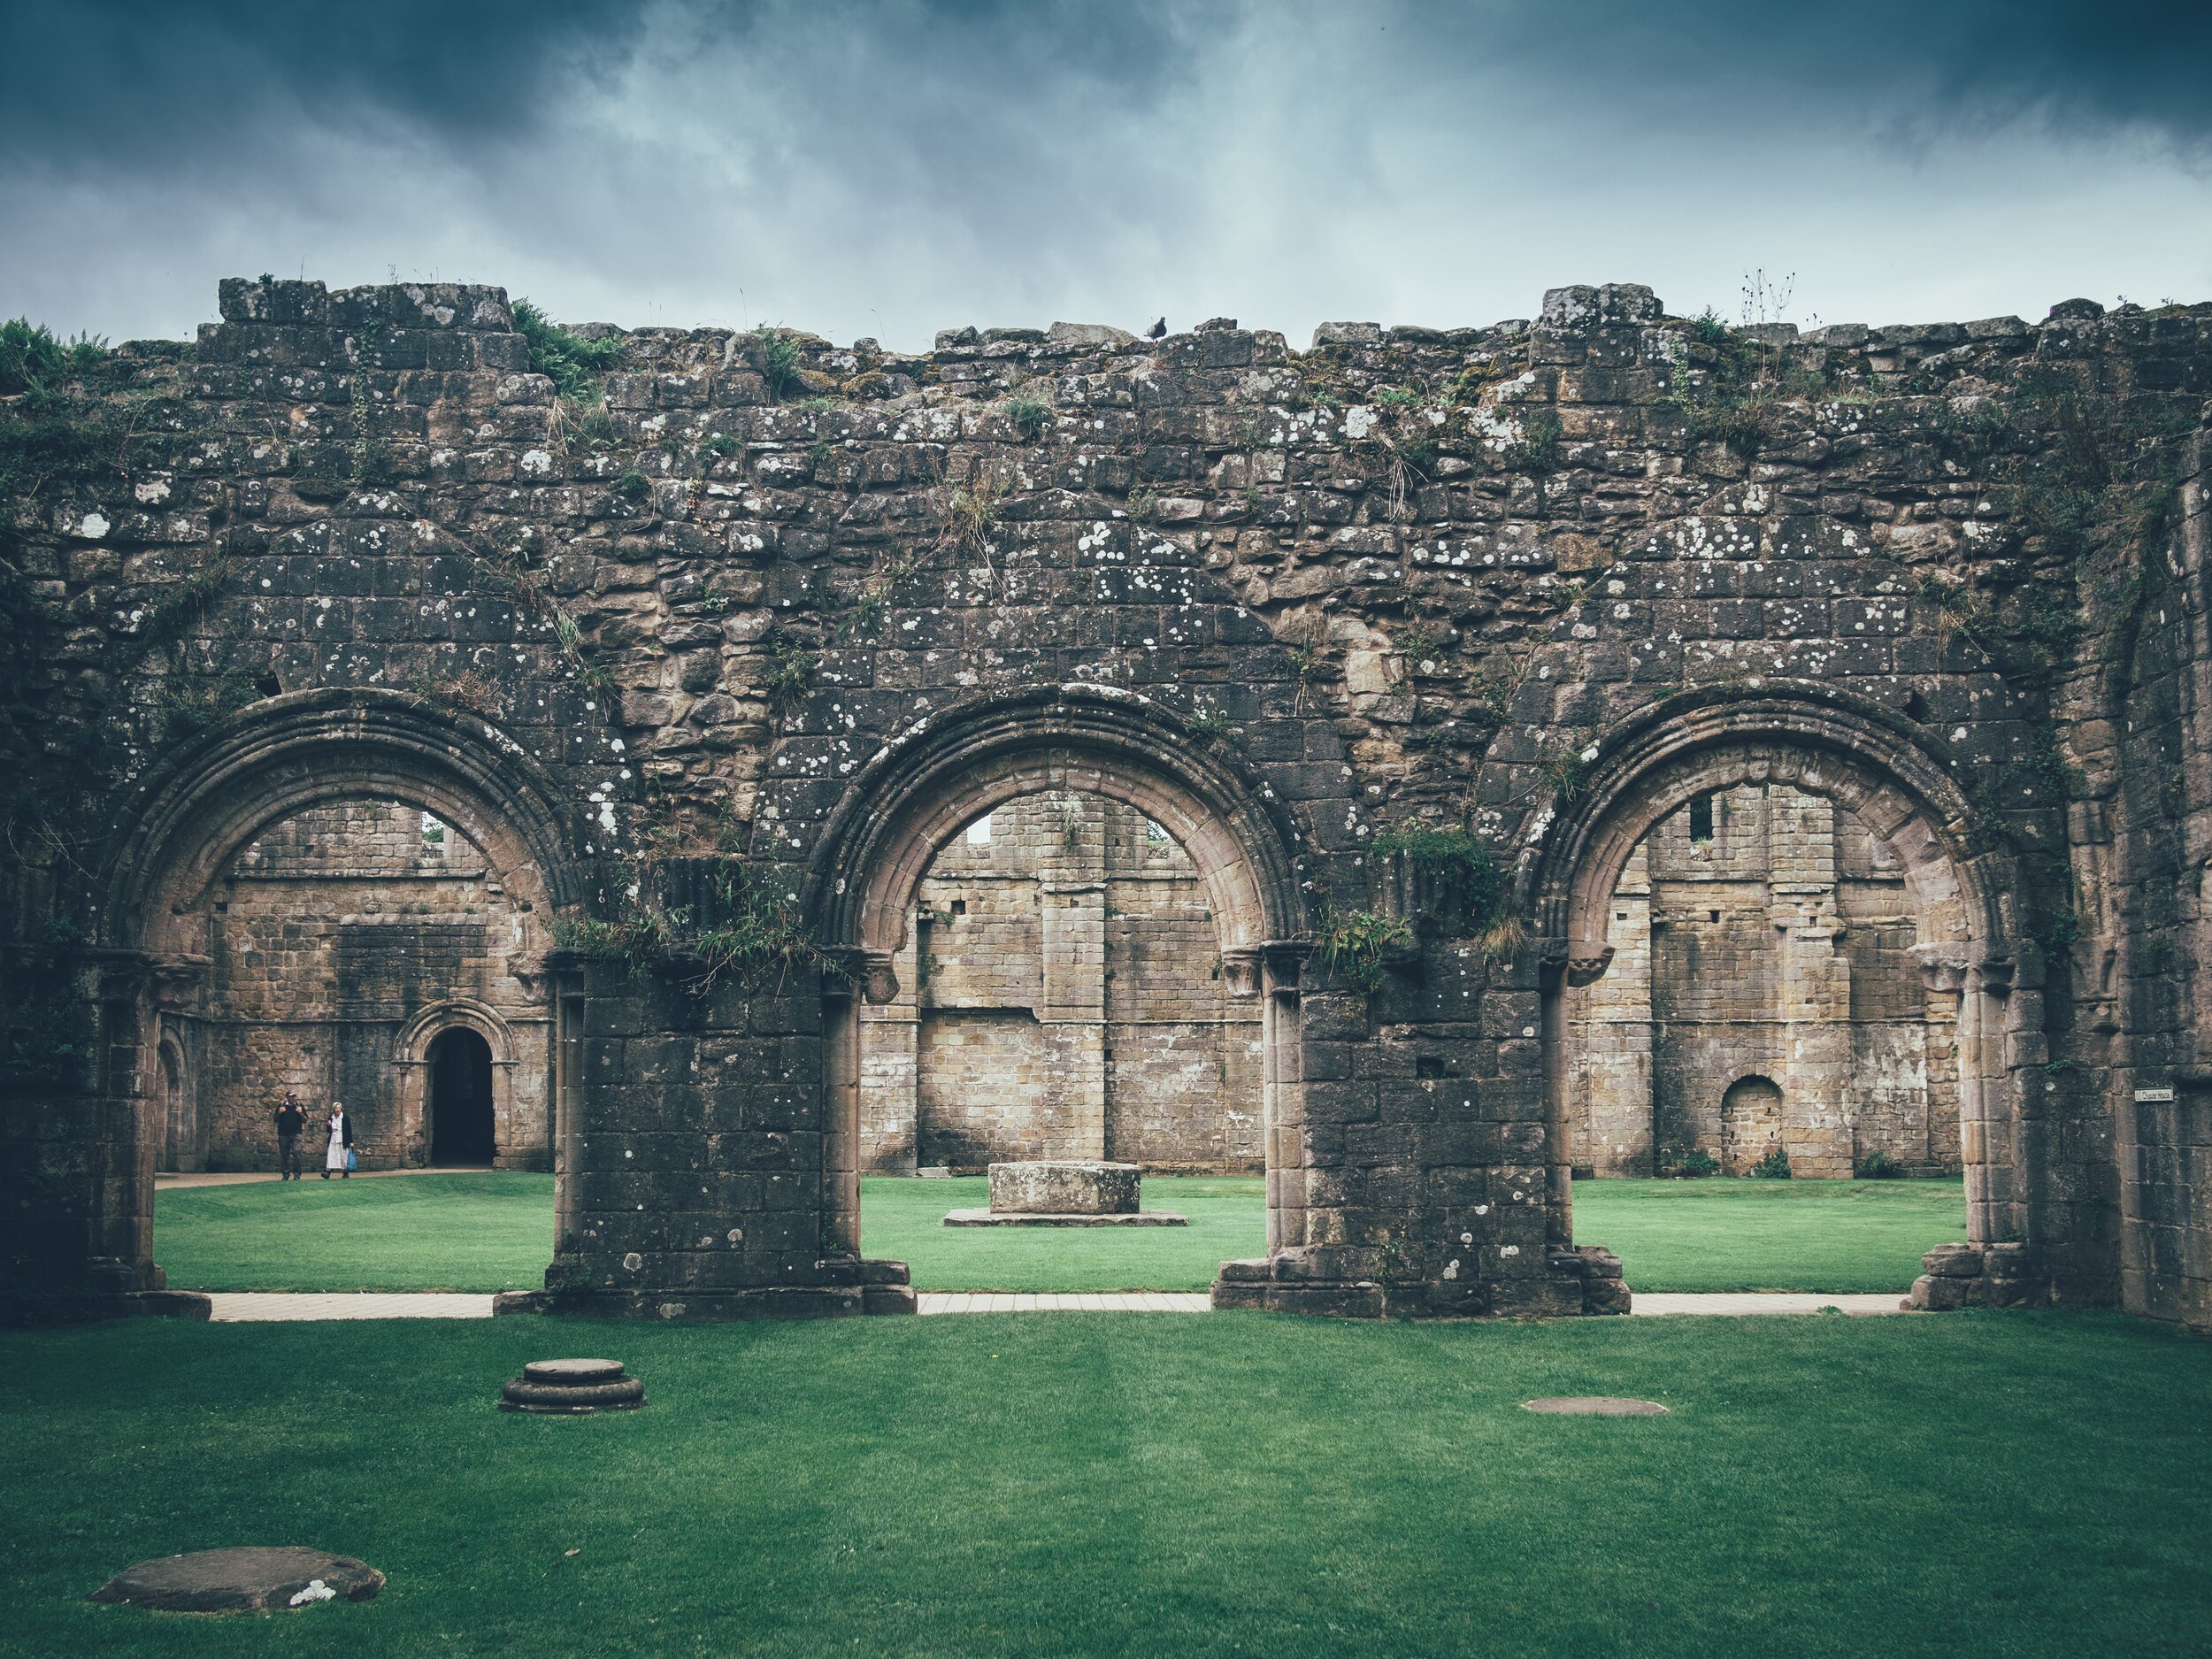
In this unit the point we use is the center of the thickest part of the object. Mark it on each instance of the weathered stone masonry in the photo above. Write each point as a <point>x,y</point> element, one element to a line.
<point>1763,994</point>
<point>1062,997</point>
<point>781,618</point>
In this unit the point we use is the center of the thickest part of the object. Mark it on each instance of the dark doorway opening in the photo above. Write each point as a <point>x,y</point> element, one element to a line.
<point>460,1098</point>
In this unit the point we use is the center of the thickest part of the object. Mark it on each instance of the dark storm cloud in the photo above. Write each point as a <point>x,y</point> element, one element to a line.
<point>1917,66</point>
<point>126,83</point>
<point>890,166</point>
<point>132,83</point>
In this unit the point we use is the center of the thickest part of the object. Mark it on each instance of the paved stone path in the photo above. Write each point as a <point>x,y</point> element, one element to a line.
<point>232,1307</point>
<point>168,1181</point>
<point>1658,1302</point>
<point>241,1306</point>
<point>1062,1302</point>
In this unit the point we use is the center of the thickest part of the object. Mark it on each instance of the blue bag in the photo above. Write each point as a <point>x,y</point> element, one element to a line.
<point>353,1161</point>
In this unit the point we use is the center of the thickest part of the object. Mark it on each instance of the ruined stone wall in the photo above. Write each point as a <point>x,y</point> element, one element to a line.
<point>1065,1000</point>
<point>1762,935</point>
<point>329,936</point>
<point>703,606</point>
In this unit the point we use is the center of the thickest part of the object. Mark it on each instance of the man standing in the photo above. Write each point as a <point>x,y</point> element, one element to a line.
<point>290,1122</point>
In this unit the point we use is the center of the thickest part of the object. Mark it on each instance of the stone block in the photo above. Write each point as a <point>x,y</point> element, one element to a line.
<point>1064,1186</point>
<point>1930,1294</point>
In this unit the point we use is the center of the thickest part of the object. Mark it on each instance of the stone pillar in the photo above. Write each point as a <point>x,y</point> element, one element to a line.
<point>1283,1097</point>
<point>840,1118</point>
<point>1073,1011</point>
<point>568,1117</point>
<point>1814,988</point>
<point>1607,1032</point>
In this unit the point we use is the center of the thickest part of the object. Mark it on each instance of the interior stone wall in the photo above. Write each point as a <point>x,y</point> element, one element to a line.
<point>1063,998</point>
<point>1778,948</point>
<point>328,936</point>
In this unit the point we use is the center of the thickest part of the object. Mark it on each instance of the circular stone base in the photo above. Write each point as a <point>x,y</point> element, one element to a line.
<point>1596,1406</point>
<point>573,1373</point>
<point>569,1387</point>
<point>1017,1219</point>
<point>241,1581</point>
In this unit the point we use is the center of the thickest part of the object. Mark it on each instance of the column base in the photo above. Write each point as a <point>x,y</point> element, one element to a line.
<point>1575,1282</point>
<point>1980,1276</point>
<point>21,1309</point>
<point>874,1287</point>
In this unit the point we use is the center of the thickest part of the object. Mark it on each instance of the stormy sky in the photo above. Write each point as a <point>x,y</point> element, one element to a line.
<point>890,169</point>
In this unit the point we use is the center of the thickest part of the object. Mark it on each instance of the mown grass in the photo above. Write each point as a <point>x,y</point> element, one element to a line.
<point>1725,1233</point>
<point>1065,1484</point>
<point>904,1221</point>
<point>487,1232</point>
<point>494,1232</point>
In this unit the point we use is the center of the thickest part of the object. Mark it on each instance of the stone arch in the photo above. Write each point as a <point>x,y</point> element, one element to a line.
<point>303,749</point>
<point>921,791</point>
<point>208,799</point>
<point>1750,1120</point>
<point>1880,768</point>
<point>411,1064</point>
<point>951,769</point>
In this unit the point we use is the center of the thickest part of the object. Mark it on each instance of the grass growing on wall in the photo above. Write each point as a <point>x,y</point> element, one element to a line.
<point>1200,1485</point>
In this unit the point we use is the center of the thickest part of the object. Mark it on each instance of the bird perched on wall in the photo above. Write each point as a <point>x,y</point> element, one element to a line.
<point>1159,330</point>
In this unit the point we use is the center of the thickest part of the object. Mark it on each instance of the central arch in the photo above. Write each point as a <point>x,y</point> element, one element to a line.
<point>1879,767</point>
<point>921,791</point>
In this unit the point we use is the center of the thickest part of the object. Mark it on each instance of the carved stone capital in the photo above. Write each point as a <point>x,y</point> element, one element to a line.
<point>878,978</point>
<point>1587,959</point>
<point>1943,967</point>
<point>1242,972</point>
<point>869,973</point>
<point>1284,960</point>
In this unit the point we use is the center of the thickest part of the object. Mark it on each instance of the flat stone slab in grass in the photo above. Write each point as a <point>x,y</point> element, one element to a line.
<point>250,1580</point>
<point>1595,1406</point>
<point>1064,1186</point>
<point>1000,1218</point>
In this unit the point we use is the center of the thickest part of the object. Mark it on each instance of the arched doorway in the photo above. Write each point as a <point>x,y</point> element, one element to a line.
<point>461,1126</point>
<point>873,861</point>
<point>293,760</point>
<point>1061,996</point>
<point>1957,896</point>
<point>1750,1123</point>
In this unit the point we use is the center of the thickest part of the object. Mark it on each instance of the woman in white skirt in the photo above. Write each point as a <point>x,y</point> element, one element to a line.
<point>340,1143</point>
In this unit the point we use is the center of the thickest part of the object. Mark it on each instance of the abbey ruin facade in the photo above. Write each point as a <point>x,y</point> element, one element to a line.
<point>1431,768</point>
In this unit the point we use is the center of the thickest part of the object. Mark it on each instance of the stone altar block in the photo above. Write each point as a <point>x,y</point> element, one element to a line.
<point>1065,1193</point>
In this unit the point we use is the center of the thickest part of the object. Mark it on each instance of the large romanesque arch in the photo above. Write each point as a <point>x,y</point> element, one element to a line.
<point>1880,767</point>
<point>191,815</point>
<point>917,794</point>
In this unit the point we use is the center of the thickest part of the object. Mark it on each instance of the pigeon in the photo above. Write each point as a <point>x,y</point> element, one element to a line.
<point>1159,330</point>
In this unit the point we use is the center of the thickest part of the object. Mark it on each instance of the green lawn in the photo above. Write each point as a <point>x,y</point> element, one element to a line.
<point>489,1231</point>
<point>2020,1484</point>
<point>1747,1234</point>
<point>494,1232</point>
<point>904,1221</point>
